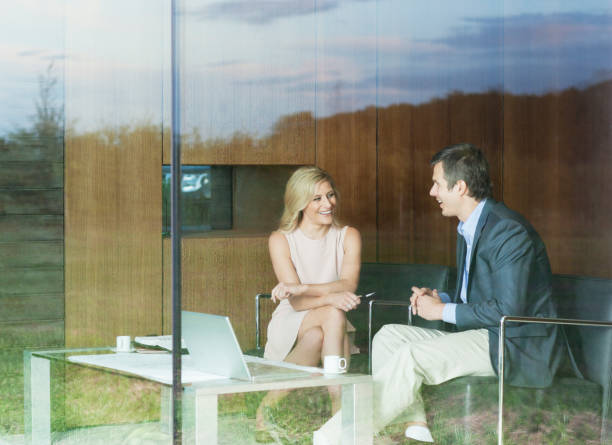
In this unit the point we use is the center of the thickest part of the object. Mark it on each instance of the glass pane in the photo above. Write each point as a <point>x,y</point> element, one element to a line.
<point>368,90</point>
<point>31,194</point>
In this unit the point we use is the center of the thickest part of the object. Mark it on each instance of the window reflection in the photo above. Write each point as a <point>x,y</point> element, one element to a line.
<point>206,198</point>
<point>366,89</point>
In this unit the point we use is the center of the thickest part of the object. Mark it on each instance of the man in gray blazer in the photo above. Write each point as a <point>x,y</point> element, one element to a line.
<point>502,269</point>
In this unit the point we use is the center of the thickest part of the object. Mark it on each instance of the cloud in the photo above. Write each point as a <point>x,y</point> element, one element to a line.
<point>261,12</point>
<point>383,44</point>
<point>528,31</point>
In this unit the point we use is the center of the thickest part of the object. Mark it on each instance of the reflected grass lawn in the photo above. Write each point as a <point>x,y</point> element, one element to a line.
<point>84,397</point>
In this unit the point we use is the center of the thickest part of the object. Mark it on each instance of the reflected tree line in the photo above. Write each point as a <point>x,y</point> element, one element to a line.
<point>47,129</point>
<point>568,130</point>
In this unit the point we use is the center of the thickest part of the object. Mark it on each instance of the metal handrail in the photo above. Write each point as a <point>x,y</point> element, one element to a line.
<point>501,355</point>
<point>382,303</point>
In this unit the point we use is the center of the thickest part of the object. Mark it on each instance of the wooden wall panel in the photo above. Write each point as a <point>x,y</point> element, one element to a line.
<point>31,334</point>
<point>291,142</point>
<point>36,306</point>
<point>32,146</point>
<point>222,276</point>
<point>411,227</point>
<point>31,227</point>
<point>32,174</point>
<point>434,234</point>
<point>32,202</point>
<point>478,119</point>
<point>32,254</point>
<point>113,237</point>
<point>396,184</point>
<point>346,148</point>
<point>556,161</point>
<point>31,281</point>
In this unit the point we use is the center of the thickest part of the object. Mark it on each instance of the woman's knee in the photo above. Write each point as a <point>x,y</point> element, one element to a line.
<point>313,338</point>
<point>334,317</point>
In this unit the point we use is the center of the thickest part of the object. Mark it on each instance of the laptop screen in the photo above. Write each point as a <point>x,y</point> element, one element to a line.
<point>213,346</point>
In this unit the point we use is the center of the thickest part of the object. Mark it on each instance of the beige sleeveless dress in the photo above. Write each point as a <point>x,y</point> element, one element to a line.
<point>316,262</point>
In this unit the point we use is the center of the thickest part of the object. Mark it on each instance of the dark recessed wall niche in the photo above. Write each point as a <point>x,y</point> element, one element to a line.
<point>225,200</point>
<point>206,198</point>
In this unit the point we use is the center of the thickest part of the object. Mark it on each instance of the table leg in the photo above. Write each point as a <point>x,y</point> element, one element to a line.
<point>357,414</point>
<point>200,412</point>
<point>38,401</point>
<point>165,409</point>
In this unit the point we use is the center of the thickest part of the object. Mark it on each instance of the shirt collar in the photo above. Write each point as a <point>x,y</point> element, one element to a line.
<point>467,229</point>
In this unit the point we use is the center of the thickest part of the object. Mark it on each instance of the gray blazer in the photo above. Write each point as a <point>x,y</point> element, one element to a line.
<point>510,275</point>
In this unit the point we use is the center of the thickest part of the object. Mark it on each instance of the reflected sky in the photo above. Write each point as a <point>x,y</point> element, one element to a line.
<point>248,62</point>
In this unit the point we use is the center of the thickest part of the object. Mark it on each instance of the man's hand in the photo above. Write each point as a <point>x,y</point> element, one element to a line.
<point>416,293</point>
<point>426,303</point>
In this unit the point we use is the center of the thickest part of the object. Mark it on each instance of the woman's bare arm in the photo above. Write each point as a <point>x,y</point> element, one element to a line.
<point>309,296</point>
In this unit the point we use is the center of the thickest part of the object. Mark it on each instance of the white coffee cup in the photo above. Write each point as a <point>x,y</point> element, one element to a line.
<point>124,343</point>
<point>334,364</point>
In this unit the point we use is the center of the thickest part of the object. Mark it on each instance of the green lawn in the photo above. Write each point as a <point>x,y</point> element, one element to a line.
<point>84,398</point>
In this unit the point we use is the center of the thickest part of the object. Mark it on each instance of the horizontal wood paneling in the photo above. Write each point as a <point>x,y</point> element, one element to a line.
<point>31,334</point>
<point>31,307</point>
<point>32,174</point>
<point>33,148</point>
<point>31,202</point>
<point>15,228</point>
<point>32,254</point>
<point>31,281</point>
<point>222,276</point>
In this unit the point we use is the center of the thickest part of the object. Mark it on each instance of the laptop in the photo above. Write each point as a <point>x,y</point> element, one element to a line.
<point>214,349</point>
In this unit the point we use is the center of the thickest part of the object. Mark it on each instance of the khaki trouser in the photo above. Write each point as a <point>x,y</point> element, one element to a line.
<point>404,357</point>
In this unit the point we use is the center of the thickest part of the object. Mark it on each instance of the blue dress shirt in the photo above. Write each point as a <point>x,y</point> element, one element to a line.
<point>466,229</point>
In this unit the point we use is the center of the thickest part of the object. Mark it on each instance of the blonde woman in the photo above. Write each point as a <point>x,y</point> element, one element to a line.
<point>317,265</point>
<point>316,262</point>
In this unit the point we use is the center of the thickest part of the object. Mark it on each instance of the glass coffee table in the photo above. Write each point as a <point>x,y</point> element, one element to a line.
<point>200,392</point>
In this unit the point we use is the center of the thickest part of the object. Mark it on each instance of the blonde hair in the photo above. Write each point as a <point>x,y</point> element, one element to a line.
<point>299,192</point>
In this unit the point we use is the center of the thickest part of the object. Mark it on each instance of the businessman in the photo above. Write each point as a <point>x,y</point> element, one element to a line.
<point>502,269</point>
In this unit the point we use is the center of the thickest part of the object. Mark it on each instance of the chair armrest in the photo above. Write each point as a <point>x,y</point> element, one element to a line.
<point>501,356</point>
<point>371,305</point>
<point>257,328</point>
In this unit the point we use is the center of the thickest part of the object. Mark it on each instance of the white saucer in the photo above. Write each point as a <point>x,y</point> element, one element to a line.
<point>123,352</point>
<point>335,373</point>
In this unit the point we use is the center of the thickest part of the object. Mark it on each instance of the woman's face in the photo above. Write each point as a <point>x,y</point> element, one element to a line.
<point>320,210</point>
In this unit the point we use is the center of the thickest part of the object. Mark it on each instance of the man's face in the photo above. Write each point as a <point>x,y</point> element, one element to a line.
<point>449,200</point>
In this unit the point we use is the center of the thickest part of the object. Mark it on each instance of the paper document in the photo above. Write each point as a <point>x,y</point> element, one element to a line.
<point>156,342</point>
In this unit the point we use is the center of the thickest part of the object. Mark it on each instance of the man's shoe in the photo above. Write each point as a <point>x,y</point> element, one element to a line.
<point>419,432</point>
